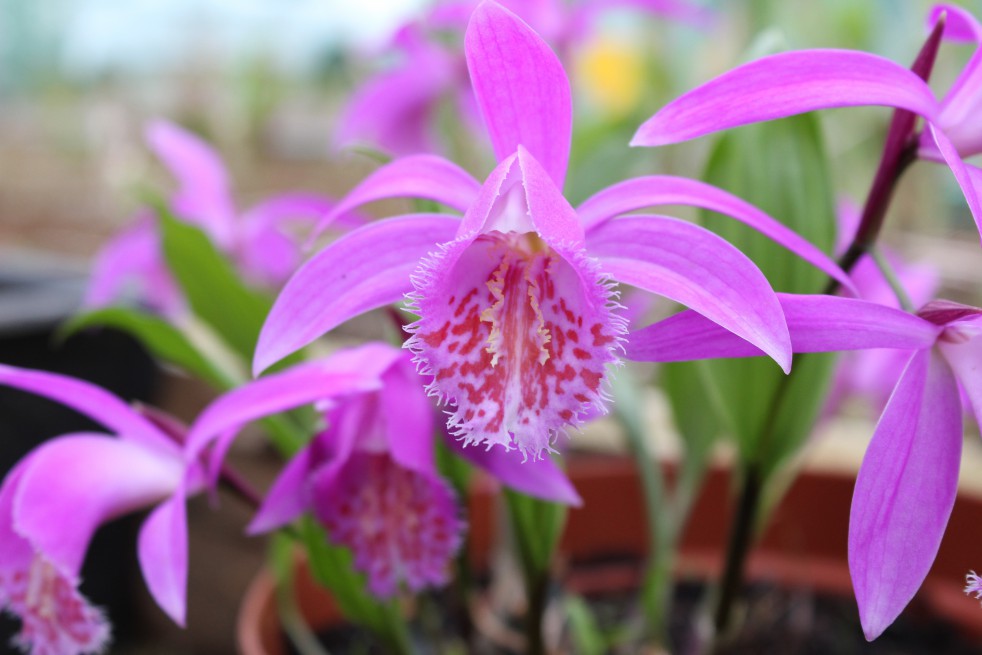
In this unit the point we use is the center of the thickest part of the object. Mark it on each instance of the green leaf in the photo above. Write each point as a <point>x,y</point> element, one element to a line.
<point>781,167</point>
<point>162,339</point>
<point>212,286</point>
<point>584,631</point>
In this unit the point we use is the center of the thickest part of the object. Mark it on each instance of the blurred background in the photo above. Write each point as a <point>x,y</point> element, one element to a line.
<point>265,82</point>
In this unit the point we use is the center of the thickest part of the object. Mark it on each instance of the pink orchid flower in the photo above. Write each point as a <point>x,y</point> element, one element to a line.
<point>907,484</point>
<point>52,502</point>
<point>257,240</point>
<point>396,109</point>
<point>371,476</point>
<point>517,322</point>
<point>807,80</point>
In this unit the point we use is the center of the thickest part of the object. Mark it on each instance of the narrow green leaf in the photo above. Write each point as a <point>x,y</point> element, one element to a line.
<point>212,286</point>
<point>162,339</point>
<point>584,631</point>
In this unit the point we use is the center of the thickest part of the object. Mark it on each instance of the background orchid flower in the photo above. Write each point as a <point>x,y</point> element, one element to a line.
<point>396,109</point>
<point>258,240</point>
<point>371,476</point>
<point>907,484</point>
<point>52,502</point>
<point>807,80</point>
<point>516,316</point>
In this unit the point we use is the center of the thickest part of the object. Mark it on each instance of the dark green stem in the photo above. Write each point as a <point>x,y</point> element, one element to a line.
<point>538,596</point>
<point>737,549</point>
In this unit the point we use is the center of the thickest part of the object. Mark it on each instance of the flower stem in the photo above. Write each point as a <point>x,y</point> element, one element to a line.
<point>891,277</point>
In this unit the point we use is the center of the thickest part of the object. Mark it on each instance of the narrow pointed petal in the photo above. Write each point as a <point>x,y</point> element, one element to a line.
<point>409,417</point>
<point>784,85</point>
<point>904,492</point>
<point>521,88</point>
<point>367,268</point>
<point>204,192</point>
<point>693,266</point>
<point>815,323</point>
<point>540,478</point>
<point>346,371</point>
<point>287,497</point>
<point>163,554</point>
<point>417,176</point>
<point>77,482</point>
<point>89,400</point>
<point>969,177</point>
<point>401,526</point>
<point>553,217</point>
<point>655,190</point>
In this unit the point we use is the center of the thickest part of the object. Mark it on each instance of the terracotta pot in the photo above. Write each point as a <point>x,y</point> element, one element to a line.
<point>804,546</point>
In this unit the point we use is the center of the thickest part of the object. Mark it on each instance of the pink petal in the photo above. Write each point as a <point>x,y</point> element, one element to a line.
<point>204,192</point>
<point>90,400</point>
<point>418,176</point>
<point>540,478</point>
<point>287,498</point>
<point>905,491</point>
<point>784,85</point>
<point>521,88</point>
<point>351,370</point>
<point>401,525</point>
<point>367,268</point>
<point>655,190</point>
<point>969,177</point>
<point>409,417</point>
<point>131,264</point>
<point>163,553</point>
<point>815,323</point>
<point>76,483</point>
<point>693,266</point>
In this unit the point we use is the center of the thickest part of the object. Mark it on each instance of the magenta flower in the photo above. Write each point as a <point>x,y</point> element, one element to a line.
<point>52,502</point>
<point>517,322</point>
<point>396,109</point>
<point>371,476</point>
<point>909,477</point>
<point>806,80</point>
<point>258,240</point>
